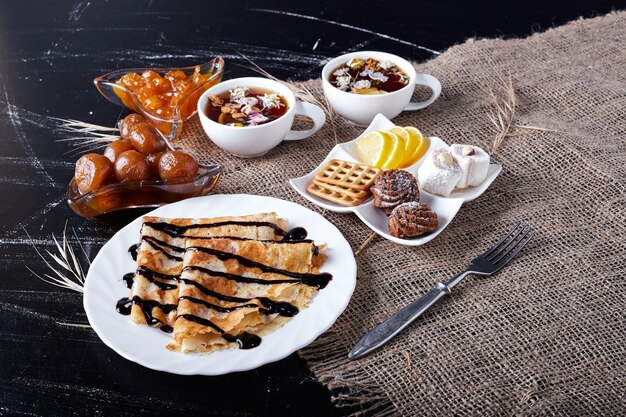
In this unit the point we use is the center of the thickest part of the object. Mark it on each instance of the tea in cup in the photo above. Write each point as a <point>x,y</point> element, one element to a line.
<point>359,85</point>
<point>250,116</point>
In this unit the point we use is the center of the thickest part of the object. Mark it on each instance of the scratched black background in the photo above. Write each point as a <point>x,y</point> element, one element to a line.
<point>49,54</point>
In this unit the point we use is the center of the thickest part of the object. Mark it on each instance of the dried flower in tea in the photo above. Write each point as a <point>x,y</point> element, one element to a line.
<point>369,77</point>
<point>241,107</point>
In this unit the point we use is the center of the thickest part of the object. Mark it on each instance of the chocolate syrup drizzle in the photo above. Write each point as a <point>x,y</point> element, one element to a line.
<point>265,305</point>
<point>150,275</point>
<point>179,231</point>
<point>297,234</point>
<point>313,280</point>
<point>282,308</point>
<point>159,245</point>
<point>129,279</point>
<point>246,340</point>
<point>133,250</point>
<point>124,306</point>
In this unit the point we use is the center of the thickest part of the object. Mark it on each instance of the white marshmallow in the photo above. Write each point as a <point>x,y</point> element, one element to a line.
<point>474,163</point>
<point>439,173</point>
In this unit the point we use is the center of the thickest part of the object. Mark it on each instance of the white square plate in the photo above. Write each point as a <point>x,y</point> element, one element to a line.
<point>445,207</point>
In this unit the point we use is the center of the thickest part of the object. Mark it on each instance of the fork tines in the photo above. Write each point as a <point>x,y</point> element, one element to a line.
<point>509,245</point>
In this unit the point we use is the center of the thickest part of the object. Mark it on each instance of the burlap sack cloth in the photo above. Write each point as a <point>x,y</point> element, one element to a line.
<point>547,334</point>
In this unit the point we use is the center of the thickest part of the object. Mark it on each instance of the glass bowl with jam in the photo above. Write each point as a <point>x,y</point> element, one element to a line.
<point>134,194</point>
<point>165,97</point>
<point>137,170</point>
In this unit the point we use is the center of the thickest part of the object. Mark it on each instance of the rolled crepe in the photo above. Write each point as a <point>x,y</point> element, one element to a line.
<point>160,257</point>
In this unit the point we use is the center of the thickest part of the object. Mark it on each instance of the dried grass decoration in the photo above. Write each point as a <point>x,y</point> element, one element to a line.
<point>504,114</point>
<point>91,136</point>
<point>68,273</point>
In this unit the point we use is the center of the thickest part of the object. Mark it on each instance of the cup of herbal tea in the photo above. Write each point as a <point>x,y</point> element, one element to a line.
<point>249,116</point>
<point>359,85</point>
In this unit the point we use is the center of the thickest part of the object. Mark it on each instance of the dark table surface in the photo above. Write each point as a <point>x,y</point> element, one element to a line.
<point>49,54</point>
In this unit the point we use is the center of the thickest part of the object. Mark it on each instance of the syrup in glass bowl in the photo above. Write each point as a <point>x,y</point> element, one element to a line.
<point>165,97</point>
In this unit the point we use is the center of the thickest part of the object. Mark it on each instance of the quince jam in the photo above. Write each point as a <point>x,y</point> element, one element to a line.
<point>161,95</point>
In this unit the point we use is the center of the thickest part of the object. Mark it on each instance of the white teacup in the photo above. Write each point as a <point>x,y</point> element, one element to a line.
<point>361,109</point>
<point>251,141</point>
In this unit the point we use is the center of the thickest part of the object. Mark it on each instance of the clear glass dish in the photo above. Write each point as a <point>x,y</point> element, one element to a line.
<point>151,193</point>
<point>170,127</point>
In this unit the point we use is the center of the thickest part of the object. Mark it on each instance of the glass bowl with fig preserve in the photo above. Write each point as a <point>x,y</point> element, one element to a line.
<point>136,170</point>
<point>165,97</point>
<point>360,85</point>
<point>249,116</point>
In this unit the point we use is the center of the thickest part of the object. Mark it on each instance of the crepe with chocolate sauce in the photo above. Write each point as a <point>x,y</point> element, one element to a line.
<point>155,288</point>
<point>232,290</point>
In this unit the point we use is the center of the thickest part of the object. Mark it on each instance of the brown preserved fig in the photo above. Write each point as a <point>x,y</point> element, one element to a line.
<point>153,160</point>
<point>132,166</point>
<point>92,171</point>
<point>145,139</point>
<point>128,122</point>
<point>104,202</point>
<point>177,166</point>
<point>116,148</point>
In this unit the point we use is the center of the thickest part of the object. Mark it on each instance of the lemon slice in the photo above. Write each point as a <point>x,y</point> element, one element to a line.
<point>397,152</point>
<point>420,149</point>
<point>374,148</point>
<point>410,143</point>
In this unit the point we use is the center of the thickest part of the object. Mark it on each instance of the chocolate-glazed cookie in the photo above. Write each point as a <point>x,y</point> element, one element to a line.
<point>412,219</point>
<point>394,187</point>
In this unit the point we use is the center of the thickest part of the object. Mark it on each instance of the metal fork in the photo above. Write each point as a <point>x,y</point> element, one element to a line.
<point>485,264</point>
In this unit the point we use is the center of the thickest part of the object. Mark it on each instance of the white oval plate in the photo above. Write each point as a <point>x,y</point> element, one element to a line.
<point>445,207</point>
<point>146,345</point>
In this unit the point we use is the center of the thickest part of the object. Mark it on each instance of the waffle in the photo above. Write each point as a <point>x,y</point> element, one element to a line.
<point>351,192</point>
<point>348,174</point>
<point>345,183</point>
<point>334,196</point>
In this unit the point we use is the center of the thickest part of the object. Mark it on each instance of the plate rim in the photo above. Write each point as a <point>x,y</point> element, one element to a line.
<point>349,262</point>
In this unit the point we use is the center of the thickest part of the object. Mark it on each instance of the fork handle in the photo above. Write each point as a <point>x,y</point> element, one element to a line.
<point>382,333</point>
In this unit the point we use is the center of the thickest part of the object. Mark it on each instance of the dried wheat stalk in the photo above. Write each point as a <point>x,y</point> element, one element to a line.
<point>92,136</point>
<point>542,129</point>
<point>68,273</point>
<point>504,111</point>
<point>364,244</point>
<point>79,325</point>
